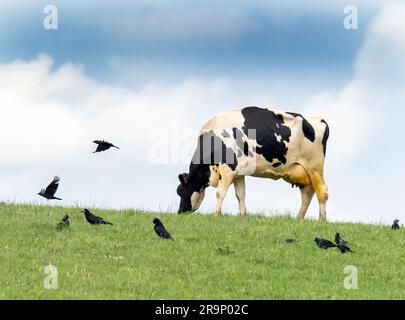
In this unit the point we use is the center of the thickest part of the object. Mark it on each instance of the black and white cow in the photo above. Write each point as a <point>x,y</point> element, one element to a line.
<point>257,142</point>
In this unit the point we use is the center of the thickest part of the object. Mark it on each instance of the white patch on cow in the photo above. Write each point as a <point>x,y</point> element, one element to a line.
<point>196,199</point>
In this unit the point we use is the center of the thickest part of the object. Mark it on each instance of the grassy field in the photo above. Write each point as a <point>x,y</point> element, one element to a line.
<point>226,257</point>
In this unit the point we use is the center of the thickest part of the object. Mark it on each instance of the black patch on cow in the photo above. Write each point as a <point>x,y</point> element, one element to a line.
<point>325,136</point>
<point>275,165</point>
<point>212,150</point>
<point>267,125</point>
<point>243,146</point>
<point>246,150</point>
<point>225,134</point>
<point>307,128</point>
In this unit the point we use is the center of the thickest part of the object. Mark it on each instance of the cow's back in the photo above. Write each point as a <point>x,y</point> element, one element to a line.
<point>268,142</point>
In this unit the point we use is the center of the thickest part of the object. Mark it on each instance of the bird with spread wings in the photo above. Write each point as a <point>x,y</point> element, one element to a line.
<point>103,145</point>
<point>49,192</point>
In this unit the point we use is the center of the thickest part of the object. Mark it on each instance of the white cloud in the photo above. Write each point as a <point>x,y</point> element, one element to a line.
<point>53,115</point>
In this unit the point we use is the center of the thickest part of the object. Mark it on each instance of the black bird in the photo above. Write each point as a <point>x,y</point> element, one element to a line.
<point>395,225</point>
<point>49,192</point>
<point>103,145</point>
<point>342,245</point>
<point>324,244</point>
<point>64,223</point>
<point>338,238</point>
<point>290,240</point>
<point>92,219</point>
<point>160,229</point>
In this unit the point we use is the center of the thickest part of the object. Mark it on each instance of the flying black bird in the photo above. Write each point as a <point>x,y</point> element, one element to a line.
<point>338,238</point>
<point>160,229</point>
<point>342,245</point>
<point>103,145</point>
<point>92,219</point>
<point>49,192</point>
<point>395,225</point>
<point>324,244</point>
<point>64,223</point>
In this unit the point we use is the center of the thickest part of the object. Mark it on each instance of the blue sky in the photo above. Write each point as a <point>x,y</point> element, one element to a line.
<point>242,39</point>
<point>162,68</point>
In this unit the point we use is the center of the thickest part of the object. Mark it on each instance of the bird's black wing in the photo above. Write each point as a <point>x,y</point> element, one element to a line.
<point>95,219</point>
<point>324,243</point>
<point>343,248</point>
<point>53,186</point>
<point>162,232</point>
<point>166,234</point>
<point>102,145</point>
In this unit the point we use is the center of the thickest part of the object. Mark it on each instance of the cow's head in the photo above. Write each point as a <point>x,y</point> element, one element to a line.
<point>191,195</point>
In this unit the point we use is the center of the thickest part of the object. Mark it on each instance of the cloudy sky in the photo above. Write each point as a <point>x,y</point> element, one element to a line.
<point>147,74</point>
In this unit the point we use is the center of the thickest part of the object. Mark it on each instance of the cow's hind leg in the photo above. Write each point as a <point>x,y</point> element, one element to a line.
<point>307,192</point>
<point>321,190</point>
<point>303,175</point>
<point>239,184</point>
<point>226,178</point>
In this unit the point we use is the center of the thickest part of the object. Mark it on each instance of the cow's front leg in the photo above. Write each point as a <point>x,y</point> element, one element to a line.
<point>226,176</point>
<point>239,184</point>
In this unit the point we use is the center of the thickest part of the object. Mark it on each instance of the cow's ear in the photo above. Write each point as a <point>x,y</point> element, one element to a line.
<point>183,178</point>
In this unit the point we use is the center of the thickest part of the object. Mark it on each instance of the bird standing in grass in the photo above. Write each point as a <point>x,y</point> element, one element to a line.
<point>92,219</point>
<point>324,244</point>
<point>49,192</point>
<point>342,245</point>
<point>103,145</point>
<point>160,229</point>
<point>395,225</point>
<point>64,223</point>
<point>338,238</point>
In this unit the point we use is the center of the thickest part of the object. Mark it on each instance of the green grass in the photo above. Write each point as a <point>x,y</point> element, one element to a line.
<point>226,257</point>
